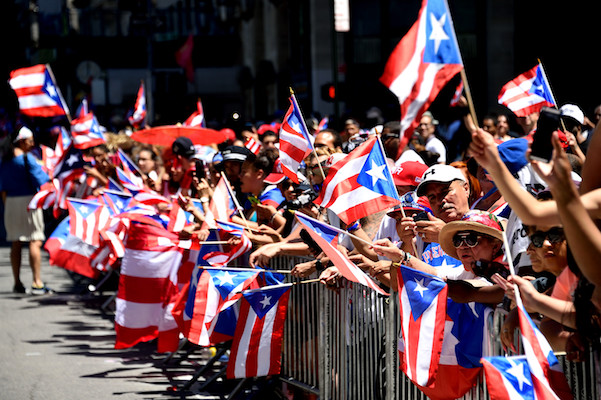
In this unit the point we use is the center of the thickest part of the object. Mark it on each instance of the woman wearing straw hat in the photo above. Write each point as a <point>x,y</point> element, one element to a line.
<point>477,241</point>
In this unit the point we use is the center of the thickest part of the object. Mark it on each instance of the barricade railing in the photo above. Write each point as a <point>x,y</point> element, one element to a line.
<point>342,344</point>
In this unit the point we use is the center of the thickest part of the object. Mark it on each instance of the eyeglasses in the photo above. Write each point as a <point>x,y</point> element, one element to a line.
<point>470,239</point>
<point>555,235</point>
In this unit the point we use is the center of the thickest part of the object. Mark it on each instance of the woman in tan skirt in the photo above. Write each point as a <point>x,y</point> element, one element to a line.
<point>20,178</point>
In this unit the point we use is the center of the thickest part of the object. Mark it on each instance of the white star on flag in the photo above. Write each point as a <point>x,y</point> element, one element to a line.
<point>266,302</point>
<point>517,370</point>
<point>438,34</point>
<point>226,278</point>
<point>72,160</point>
<point>420,287</point>
<point>83,209</point>
<point>376,172</point>
<point>296,126</point>
<point>51,90</point>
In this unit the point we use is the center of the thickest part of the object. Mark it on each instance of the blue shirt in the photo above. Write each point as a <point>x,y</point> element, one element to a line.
<point>16,180</point>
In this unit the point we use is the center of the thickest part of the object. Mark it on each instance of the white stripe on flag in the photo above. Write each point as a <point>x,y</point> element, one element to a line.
<point>28,80</point>
<point>137,315</point>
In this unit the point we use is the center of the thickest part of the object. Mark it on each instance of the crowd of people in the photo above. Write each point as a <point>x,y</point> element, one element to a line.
<point>462,217</point>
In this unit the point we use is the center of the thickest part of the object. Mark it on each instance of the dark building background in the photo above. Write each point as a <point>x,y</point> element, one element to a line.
<point>247,53</point>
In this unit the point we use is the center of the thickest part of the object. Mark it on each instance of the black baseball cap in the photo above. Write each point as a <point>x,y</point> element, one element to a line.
<point>183,146</point>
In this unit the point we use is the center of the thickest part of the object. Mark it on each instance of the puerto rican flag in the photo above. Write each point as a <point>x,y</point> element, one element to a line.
<point>138,117</point>
<point>221,207</point>
<point>229,252</point>
<point>423,304</point>
<point>70,252</point>
<point>87,218</point>
<point>257,345</point>
<point>527,93</point>
<point>252,145</point>
<point>43,199</point>
<point>466,341</point>
<point>208,293</point>
<point>548,379</point>
<point>508,378</point>
<point>148,286</point>
<point>197,118</point>
<point>327,238</point>
<point>323,124</point>
<point>63,141</point>
<point>179,218</point>
<point>115,201</point>
<point>360,184</point>
<point>130,168</point>
<point>295,141</point>
<point>457,96</point>
<point>425,59</point>
<point>38,94</point>
<point>86,132</point>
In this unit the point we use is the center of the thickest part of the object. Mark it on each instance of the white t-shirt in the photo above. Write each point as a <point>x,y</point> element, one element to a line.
<point>435,145</point>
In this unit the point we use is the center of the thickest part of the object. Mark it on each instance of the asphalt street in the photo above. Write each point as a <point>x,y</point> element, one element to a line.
<point>60,346</point>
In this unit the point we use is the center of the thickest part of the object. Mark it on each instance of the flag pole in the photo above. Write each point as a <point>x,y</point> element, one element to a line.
<point>60,95</point>
<point>367,242</point>
<point>540,64</point>
<point>243,269</point>
<point>402,210</point>
<point>323,175</point>
<point>238,207</point>
<point>468,96</point>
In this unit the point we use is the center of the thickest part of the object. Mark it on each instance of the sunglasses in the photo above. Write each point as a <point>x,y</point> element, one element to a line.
<point>470,239</point>
<point>555,235</point>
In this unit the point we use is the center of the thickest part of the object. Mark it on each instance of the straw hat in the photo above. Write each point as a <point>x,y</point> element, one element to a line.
<point>474,221</point>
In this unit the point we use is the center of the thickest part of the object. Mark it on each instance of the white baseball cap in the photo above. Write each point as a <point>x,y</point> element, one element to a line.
<point>24,133</point>
<point>572,111</point>
<point>439,173</point>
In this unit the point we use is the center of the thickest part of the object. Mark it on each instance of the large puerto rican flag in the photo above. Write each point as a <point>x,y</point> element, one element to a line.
<point>423,304</point>
<point>37,92</point>
<point>360,184</point>
<point>527,93</point>
<point>295,141</point>
<point>257,345</point>
<point>148,286</point>
<point>422,63</point>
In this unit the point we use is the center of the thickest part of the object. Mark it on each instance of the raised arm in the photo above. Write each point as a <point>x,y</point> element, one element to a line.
<point>581,232</point>
<point>528,209</point>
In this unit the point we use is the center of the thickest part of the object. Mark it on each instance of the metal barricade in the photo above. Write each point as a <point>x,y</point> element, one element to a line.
<point>343,345</point>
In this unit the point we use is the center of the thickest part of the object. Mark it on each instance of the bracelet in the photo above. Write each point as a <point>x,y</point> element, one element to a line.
<point>319,266</point>
<point>406,257</point>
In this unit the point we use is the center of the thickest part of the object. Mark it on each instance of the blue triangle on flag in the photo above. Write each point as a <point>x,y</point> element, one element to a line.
<point>375,174</point>
<point>226,281</point>
<point>540,87</point>
<point>84,209</point>
<point>441,43</point>
<point>264,300</point>
<point>517,372</point>
<point>421,289</point>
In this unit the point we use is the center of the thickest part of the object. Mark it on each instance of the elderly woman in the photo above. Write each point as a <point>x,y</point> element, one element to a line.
<point>477,241</point>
